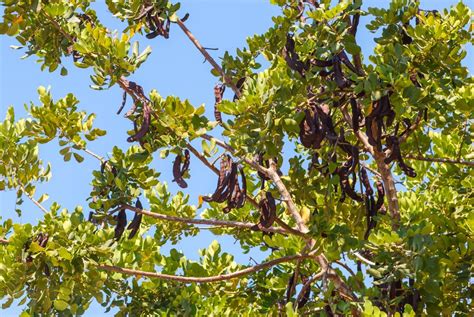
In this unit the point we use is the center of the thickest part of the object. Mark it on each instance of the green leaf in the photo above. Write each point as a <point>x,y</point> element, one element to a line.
<point>64,253</point>
<point>78,157</point>
<point>60,304</point>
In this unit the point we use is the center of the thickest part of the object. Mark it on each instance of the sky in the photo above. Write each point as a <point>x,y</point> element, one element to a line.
<point>175,67</point>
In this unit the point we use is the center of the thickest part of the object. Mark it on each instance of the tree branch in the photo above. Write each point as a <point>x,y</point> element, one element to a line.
<point>221,223</point>
<point>384,170</point>
<point>208,279</point>
<point>439,160</point>
<point>411,128</point>
<point>34,200</point>
<point>208,57</point>
<point>4,241</point>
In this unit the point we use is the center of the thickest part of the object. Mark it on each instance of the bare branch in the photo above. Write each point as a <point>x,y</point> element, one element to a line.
<point>345,266</point>
<point>361,258</point>
<point>221,223</point>
<point>209,279</point>
<point>208,57</point>
<point>4,241</point>
<point>34,200</point>
<point>439,160</point>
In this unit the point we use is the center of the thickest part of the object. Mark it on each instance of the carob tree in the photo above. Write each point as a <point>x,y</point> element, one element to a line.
<point>396,203</point>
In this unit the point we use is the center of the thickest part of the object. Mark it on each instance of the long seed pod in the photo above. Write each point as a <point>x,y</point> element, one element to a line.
<point>218,93</point>
<point>380,195</point>
<point>222,181</point>
<point>239,85</point>
<point>289,288</point>
<point>267,211</point>
<point>338,74</point>
<point>124,101</point>
<point>364,178</point>
<point>356,115</point>
<point>345,59</point>
<point>178,170</point>
<point>134,225</point>
<point>144,127</point>
<point>304,298</point>
<point>121,223</point>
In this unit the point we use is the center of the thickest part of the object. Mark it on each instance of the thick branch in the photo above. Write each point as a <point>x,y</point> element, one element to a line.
<point>384,170</point>
<point>439,160</point>
<point>4,241</point>
<point>221,223</point>
<point>208,57</point>
<point>209,279</point>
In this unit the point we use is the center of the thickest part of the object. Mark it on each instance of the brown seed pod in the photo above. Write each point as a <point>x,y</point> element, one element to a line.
<point>380,195</point>
<point>267,211</point>
<point>291,57</point>
<point>134,225</point>
<point>364,178</point>
<point>356,115</point>
<point>395,154</point>
<point>144,127</point>
<point>218,93</point>
<point>179,170</point>
<point>121,223</point>
<point>222,181</point>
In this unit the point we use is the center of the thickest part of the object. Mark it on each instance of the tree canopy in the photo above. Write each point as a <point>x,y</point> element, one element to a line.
<point>354,173</point>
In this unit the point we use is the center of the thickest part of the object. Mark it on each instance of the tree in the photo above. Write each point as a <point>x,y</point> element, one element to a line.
<point>367,211</point>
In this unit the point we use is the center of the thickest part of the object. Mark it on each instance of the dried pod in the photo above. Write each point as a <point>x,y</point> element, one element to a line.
<point>364,178</point>
<point>218,93</point>
<point>134,225</point>
<point>380,195</point>
<point>121,224</point>
<point>267,211</point>
<point>124,101</point>
<point>180,167</point>
<point>144,127</point>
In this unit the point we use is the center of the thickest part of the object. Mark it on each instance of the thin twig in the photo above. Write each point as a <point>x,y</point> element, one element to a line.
<point>344,265</point>
<point>208,57</point>
<point>208,279</point>
<point>34,200</point>
<point>360,257</point>
<point>439,160</point>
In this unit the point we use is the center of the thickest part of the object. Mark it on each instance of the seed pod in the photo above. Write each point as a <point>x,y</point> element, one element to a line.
<point>218,93</point>
<point>356,115</point>
<point>134,225</point>
<point>267,211</point>
<point>145,125</point>
<point>178,170</point>
<point>345,59</point>
<point>121,223</point>
<point>365,181</point>
<point>222,181</point>
<point>304,298</point>
<point>289,288</point>
<point>394,145</point>
<point>338,74</point>
<point>239,85</point>
<point>380,195</point>
<point>124,101</point>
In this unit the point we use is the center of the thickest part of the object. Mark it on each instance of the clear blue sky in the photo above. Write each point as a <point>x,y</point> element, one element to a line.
<point>174,68</point>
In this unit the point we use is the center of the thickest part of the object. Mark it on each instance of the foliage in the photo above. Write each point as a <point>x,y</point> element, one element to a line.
<point>306,130</point>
